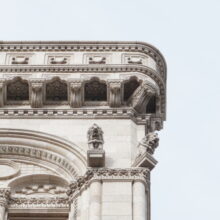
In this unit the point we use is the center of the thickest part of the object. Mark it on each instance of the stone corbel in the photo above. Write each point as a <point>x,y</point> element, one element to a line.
<point>76,94</point>
<point>114,93</point>
<point>36,94</point>
<point>141,96</point>
<point>1,93</point>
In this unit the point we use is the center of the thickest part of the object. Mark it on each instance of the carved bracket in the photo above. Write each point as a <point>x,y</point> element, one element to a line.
<point>115,93</point>
<point>142,95</point>
<point>36,94</point>
<point>76,94</point>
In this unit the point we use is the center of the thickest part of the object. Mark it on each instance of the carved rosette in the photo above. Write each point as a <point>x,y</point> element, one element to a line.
<point>94,174</point>
<point>142,95</point>
<point>4,196</point>
<point>115,93</point>
<point>76,94</point>
<point>36,94</point>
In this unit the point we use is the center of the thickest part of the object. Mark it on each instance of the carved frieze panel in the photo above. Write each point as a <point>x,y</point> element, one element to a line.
<point>135,59</point>
<point>40,202</point>
<point>59,59</point>
<point>19,58</point>
<point>97,58</point>
<point>37,190</point>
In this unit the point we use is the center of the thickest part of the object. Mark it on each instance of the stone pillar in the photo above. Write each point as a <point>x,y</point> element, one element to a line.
<point>95,200</point>
<point>85,204</point>
<point>114,93</point>
<point>1,93</point>
<point>76,94</point>
<point>139,201</point>
<point>36,94</point>
<point>4,196</point>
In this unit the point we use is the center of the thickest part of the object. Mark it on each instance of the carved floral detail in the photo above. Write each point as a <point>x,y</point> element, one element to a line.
<point>40,202</point>
<point>142,174</point>
<point>4,196</point>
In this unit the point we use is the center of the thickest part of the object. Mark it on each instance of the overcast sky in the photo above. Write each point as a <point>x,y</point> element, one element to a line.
<point>186,182</point>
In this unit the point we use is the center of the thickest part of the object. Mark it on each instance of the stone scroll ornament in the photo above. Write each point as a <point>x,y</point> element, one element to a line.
<point>95,137</point>
<point>148,144</point>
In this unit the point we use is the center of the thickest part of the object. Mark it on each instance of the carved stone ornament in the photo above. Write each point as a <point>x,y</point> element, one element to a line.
<point>115,93</point>
<point>20,60</point>
<point>47,189</point>
<point>101,174</point>
<point>141,96</point>
<point>58,60</point>
<point>39,202</point>
<point>135,60</point>
<point>4,196</point>
<point>36,94</point>
<point>76,94</point>
<point>95,137</point>
<point>97,60</point>
<point>148,144</point>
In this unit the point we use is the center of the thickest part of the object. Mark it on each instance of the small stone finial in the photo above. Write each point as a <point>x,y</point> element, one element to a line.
<point>95,137</point>
<point>148,144</point>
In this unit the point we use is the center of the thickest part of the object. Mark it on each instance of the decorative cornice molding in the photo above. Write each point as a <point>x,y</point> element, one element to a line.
<point>107,174</point>
<point>92,46</point>
<point>82,113</point>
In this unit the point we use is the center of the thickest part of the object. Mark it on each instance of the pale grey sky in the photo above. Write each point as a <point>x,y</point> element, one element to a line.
<point>186,182</point>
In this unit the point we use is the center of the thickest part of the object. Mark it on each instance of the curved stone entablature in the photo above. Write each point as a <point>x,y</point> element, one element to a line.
<point>60,155</point>
<point>73,64</point>
<point>51,53</point>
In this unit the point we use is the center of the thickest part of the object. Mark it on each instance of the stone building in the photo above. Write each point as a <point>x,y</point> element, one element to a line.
<point>78,124</point>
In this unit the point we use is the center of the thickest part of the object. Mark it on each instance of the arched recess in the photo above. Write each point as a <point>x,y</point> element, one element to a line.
<point>130,86</point>
<point>95,90</point>
<point>39,197</point>
<point>17,91</point>
<point>61,157</point>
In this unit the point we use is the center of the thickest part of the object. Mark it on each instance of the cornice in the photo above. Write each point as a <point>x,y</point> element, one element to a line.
<point>141,47</point>
<point>80,113</point>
